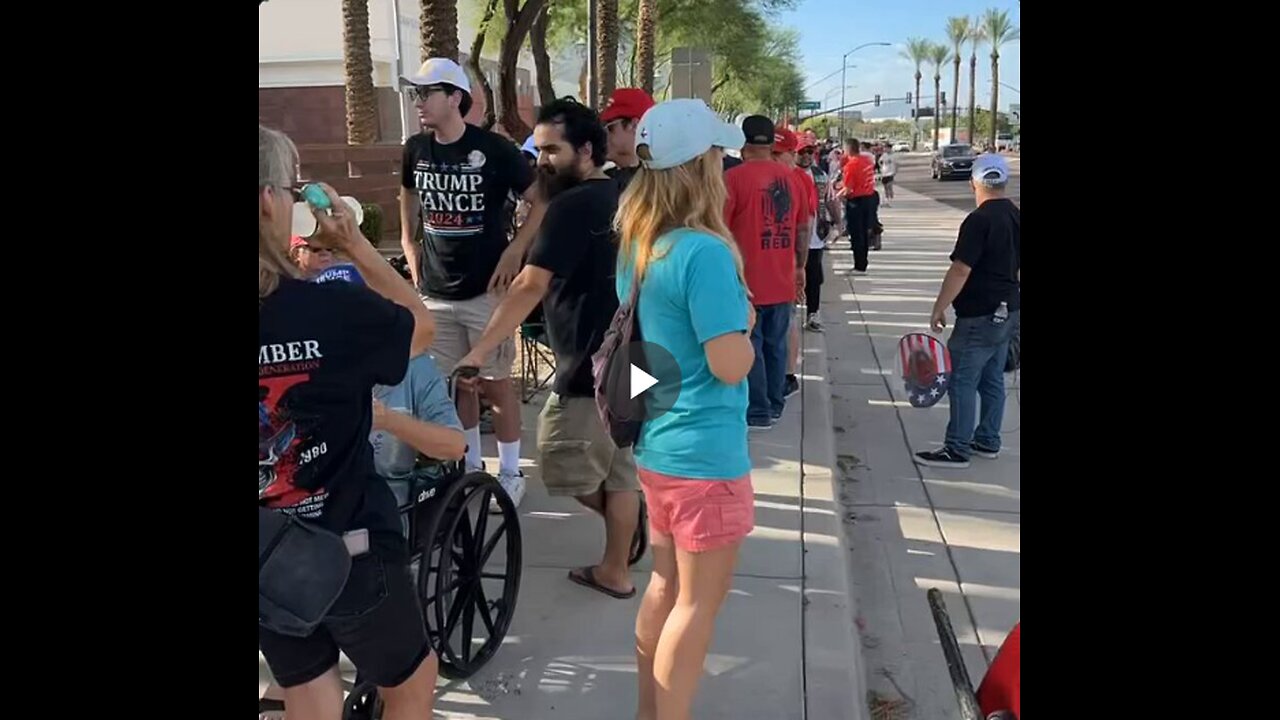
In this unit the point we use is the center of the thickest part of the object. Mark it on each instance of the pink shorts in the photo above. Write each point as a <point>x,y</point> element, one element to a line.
<point>700,515</point>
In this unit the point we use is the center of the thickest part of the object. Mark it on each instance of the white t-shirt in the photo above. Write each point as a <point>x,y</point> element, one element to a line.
<point>888,166</point>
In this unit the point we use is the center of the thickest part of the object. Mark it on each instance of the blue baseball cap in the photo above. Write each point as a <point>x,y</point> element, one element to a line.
<point>991,169</point>
<point>678,131</point>
<point>342,272</point>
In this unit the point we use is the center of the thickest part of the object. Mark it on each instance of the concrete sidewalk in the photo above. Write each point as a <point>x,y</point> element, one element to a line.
<point>784,647</point>
<point>912,528</point>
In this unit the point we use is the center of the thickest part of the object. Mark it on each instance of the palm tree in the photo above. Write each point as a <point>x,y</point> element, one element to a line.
<point>977,36</point>
<point>440,29</point>
<point>519,22</point>
<point>917,51</point>
<point>939,54</point>
<point>957,32</point>
<point>646,26</point>
<point>606,49</point>
<point>999,30</point>
<point>362,103</point>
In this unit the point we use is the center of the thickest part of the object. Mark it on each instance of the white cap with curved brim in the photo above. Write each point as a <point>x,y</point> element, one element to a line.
<point>678,131</point>
<point>440,70</point>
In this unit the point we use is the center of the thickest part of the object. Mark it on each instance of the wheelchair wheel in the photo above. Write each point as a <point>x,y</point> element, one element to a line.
<point>363,703</point>
<point>472,561</point>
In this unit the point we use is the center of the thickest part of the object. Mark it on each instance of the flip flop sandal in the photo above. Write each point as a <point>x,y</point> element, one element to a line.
<point>640,541</point>
<point>587,579</point>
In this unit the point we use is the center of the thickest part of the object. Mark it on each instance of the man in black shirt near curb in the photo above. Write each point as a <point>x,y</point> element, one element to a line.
<point>571,271</point>
<point>984,285</point>
<point>456,179</point>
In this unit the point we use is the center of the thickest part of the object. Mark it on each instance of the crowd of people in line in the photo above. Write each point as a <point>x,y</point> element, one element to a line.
<point>716,230</point>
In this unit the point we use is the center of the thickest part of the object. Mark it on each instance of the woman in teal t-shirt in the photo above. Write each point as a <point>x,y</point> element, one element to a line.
<point>692,460</point>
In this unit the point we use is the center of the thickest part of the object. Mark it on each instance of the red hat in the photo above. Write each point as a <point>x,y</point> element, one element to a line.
<point>784,140</point>
<point>296,242</point>
<point>807,140</point>
<point>626,103</point>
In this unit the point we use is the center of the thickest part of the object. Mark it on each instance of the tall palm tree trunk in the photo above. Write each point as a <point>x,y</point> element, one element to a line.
<point>955,97</point>
<point>361,100</point>
<point>645,29</point>
<point>973,96</point>
<point>995,95</point>
<point>607,49</point>
<point>440,29</point>
<point>937,108</point>
<point>915,136</point>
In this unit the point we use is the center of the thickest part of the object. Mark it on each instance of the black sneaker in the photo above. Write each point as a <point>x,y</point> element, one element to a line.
<point>943,458</point>
<point>987,453</point>
<point>792,387</point>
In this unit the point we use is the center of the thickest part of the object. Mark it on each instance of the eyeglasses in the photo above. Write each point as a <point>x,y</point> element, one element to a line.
<point>422,92</point>
<point>609,126</point>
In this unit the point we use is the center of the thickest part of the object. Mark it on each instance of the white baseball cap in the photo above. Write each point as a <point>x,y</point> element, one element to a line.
<point>991,169</point>
<point>441,70</point>
<point>678,131</point>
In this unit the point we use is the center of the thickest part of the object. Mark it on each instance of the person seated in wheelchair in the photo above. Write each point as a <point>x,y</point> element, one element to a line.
<point>415,418</point>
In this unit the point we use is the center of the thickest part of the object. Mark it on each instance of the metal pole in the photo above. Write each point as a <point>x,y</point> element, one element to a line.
<point>399,86</point>
<point>592,68</point>
<point>840,114</point>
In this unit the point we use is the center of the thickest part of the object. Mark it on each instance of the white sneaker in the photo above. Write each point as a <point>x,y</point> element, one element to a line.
<point>513,483</point>
<point>814,324</point>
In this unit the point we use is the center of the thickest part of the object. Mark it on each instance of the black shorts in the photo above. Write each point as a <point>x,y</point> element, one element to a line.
<point>886,180</point>
<point>377,622</point>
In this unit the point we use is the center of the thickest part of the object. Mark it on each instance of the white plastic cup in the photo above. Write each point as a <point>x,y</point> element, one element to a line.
<point>304,221</point>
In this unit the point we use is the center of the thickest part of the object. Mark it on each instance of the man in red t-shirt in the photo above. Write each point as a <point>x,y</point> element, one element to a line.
<point>767,213</point>
<point>785,151</point>
<point>858,191</point>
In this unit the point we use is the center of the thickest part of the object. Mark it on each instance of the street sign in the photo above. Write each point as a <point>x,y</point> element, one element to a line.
<point>809,105</point>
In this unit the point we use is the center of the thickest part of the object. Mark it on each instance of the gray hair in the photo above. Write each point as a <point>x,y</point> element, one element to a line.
<point>277,159</point>
<point>277,168</point>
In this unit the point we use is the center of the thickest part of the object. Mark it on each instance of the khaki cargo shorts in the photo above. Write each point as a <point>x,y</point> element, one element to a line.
<point>459,323</point>
<point>576,455</point>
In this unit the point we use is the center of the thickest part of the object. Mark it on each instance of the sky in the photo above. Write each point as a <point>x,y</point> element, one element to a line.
<point>830,28</point>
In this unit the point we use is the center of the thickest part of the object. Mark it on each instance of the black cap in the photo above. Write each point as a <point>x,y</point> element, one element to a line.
<point>758,129</point>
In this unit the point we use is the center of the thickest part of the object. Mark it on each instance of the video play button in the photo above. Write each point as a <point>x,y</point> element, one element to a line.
<point>640,381</point>
<point>653,377</point>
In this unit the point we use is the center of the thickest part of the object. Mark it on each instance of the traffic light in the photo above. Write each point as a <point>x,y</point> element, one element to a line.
<point>944,97</point>
<point>908,97</point>
<point>877,101</point>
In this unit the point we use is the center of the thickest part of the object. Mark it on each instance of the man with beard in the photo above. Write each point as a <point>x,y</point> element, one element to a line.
<point>571,270</point>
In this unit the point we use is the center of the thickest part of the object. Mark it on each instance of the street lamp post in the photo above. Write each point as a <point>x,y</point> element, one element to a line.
<point>843,60</point>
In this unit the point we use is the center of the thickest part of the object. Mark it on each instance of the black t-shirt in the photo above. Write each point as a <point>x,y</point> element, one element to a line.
<point>622,175</point>
<point>321,349</point>
<point>991,243</point>
<point>463,187</point>
<point>576,243</point>
<point>730,162</point>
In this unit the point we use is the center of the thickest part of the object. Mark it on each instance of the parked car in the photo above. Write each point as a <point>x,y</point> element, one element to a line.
<point>1004,141</point>
<point>952,161</point>
<point>902,147</point>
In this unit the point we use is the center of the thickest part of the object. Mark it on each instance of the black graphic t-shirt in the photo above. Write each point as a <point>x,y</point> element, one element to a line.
<point>990,242</point>
<point>321,349</point>
<point>463,187</point>
<point>576,243</point>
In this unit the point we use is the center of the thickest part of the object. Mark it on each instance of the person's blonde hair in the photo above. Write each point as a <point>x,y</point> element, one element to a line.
<point>656,202</point>
<point>277,168</point>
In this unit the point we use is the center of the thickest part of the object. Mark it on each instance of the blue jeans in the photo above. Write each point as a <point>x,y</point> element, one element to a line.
<point>978,351</point>
<point>767,381</point>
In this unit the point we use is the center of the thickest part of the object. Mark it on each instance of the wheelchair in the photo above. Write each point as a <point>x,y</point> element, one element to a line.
<point>466,560</point>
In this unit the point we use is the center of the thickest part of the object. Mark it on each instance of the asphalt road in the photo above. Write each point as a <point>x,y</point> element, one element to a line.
<point>913,174</point>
